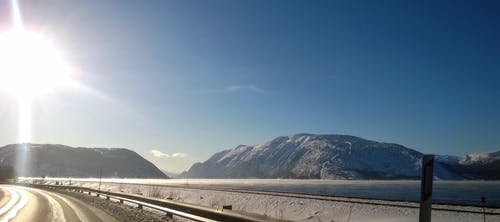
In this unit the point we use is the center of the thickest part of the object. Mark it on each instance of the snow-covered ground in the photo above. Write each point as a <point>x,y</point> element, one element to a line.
<point>292,208</point>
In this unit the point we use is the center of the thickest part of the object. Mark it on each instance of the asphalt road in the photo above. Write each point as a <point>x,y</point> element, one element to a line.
<point>29,204</point>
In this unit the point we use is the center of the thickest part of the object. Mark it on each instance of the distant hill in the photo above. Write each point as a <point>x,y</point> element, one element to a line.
<point>309,156</point>
<point>64,161</point>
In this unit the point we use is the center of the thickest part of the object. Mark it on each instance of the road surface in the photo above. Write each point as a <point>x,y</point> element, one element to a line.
<point>18,204</point>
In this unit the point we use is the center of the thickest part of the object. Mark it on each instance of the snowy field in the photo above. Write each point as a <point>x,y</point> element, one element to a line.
<point>301,209</point>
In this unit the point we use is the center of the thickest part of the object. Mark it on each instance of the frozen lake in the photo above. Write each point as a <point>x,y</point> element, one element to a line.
<point>454,192</point>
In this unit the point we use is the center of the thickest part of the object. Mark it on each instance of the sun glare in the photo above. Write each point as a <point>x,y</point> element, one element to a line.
<point>30,65</point>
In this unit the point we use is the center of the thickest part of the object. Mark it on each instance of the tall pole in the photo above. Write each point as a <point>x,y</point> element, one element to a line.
<point>483,201</point>
<point>426,188</point>
<point>100,177</point>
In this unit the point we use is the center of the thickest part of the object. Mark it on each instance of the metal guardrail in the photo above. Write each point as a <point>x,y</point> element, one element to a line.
<point>438,206</point>
<point>188,211</point>
<point>362,200</point>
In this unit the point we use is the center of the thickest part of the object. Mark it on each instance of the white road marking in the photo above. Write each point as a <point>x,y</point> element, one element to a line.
<point>14,196</point>
<point>13,212</point>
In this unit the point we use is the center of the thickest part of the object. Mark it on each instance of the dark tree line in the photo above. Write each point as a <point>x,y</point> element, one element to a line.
<point>7,172</point>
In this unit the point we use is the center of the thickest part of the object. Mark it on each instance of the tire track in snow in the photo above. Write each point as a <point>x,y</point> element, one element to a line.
<point>57,210</point>
<point>12,212</point>
<point>14,197</point>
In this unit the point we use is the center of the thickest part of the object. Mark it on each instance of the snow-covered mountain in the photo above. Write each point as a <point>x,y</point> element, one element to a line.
<point>64,161</point>
<point>474,166</point>
<point>330,157</point>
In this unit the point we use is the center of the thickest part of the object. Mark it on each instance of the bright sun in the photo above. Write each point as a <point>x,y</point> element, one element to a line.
<point>30,65</point>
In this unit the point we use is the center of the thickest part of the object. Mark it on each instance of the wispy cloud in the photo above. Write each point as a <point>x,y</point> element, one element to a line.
<point>250,88</point>
<point>159,154</point>
<point>179,155</point>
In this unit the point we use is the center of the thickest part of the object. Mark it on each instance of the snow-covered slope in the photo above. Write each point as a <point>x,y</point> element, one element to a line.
<point>64,161</point>
<point>325,157</point>
<point>482,165</point>
<point>313,156</point>
<point>483,157</point>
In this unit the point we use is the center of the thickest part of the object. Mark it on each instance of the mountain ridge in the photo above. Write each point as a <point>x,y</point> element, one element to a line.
<point>57,160</point>
<point>335,156</point>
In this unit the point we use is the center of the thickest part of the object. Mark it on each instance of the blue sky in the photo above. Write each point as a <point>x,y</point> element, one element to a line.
<point>196,77</point>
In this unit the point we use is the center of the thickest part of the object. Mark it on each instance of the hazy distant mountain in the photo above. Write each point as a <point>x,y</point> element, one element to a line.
<point>474,166</point>
<point>64,161</point>
<point>336,157</point>
<point>170,174</point>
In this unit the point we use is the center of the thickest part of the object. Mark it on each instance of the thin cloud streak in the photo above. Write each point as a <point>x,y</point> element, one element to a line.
<point>179,155</point>
<point>239,88</point>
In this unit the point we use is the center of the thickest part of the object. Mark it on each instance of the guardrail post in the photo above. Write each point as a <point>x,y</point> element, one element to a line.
<point>139,206</point>
<point>170,215</point>
<point>426,188</point>
<point>107,197</point>
<point>121,201</point>
<point>89,193</point>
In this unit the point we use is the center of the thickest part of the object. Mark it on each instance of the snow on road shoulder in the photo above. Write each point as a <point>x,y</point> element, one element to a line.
<point>121,212</point>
